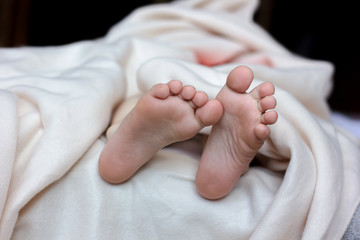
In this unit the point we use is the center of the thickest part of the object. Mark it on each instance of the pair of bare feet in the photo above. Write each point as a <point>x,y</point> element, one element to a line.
<point>172,112</point>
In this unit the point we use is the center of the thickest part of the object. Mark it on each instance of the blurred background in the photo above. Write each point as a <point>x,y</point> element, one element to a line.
<point>320,29</point>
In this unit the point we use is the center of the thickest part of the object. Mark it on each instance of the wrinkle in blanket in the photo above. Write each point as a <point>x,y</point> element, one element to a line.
<point>58,102</point>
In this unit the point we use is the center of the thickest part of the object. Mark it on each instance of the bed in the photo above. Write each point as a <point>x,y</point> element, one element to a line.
<point>57,110</point>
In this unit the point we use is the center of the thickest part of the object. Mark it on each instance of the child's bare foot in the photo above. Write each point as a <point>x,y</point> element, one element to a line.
<point>238,136</point>
<point>168,113</point>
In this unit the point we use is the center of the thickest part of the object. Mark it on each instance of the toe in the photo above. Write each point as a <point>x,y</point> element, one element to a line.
<point>263,90</point>
<point>210,113</point>
<point>175,86</point>
<point>200,99</point>
<point>269,117</point>
<point>188,92</point>
<point>160,90</point>
<point>262,132</point>
<point>239,79</point>
<point>268,102</point>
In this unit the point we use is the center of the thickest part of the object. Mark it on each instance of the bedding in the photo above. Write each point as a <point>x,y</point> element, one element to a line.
<point>58,102</point>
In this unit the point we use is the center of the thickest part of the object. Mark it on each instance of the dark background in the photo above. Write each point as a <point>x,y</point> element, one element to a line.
<point>316,29</point>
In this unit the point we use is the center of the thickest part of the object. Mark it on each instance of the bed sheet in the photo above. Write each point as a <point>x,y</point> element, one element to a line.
<point>58,102</point>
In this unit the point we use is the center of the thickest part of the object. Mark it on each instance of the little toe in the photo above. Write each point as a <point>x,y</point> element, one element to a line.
<point>175,86</point>
<point>262,132</point>
<point>268,102</point>
<point>160,90</point>
<point>200,99</point>
<point>188,92</point>
<point>239,79</point>
<point>269,117</point>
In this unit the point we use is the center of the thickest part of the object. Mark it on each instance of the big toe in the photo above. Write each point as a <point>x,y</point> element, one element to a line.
<point>210,113</point>
<point>240,78</point>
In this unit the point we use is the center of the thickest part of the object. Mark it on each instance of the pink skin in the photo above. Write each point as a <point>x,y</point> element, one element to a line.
<point>168,113</point>
<point>172,112</point>
<point>237,137</point>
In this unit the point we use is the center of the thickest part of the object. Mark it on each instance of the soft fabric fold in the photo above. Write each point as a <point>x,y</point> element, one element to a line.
<point>58,103</point>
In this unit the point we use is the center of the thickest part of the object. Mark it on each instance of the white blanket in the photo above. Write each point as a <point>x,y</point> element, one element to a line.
<point>57,102</point>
